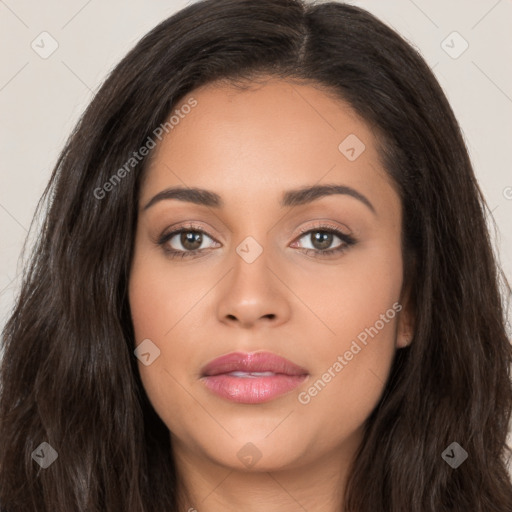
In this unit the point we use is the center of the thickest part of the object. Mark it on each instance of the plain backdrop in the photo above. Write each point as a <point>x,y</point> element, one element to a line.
<point>42,94</point>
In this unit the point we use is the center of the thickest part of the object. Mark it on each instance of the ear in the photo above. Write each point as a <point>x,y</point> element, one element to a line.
<point>405,326</point>
<point>406,319</point>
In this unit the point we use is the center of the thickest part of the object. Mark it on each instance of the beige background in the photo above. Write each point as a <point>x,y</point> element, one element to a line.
<point>42,98</point>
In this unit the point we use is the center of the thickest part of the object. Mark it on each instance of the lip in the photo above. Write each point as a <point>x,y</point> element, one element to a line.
<point>280,376</point>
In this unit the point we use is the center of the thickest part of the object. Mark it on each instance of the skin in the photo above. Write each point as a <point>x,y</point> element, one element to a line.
<point>249,146</point>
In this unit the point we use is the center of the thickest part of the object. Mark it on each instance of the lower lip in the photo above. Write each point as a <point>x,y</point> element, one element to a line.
<point>252,390</point>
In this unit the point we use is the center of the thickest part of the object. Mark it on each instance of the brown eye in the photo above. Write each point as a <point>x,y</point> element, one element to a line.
<point>184,242</point>
<point>321,240</point>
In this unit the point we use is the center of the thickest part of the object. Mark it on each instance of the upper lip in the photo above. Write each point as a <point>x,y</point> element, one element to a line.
<point>251,362</point>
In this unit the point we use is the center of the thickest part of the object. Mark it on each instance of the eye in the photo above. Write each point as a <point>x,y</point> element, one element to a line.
<point>183,242</point>
<point>321,239</point>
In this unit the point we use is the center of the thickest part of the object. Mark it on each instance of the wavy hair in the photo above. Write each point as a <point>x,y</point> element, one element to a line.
<point>68,373</point>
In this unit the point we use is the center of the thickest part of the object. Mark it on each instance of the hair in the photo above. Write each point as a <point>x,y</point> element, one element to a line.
<point>68,374</point>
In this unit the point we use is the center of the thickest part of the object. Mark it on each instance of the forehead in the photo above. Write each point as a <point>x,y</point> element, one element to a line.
<point>262,139</point>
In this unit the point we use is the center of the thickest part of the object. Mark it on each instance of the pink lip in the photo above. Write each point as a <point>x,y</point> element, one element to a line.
<point>252,389</point>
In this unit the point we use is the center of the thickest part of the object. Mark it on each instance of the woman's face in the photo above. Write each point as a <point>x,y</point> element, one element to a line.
<point>263,281</point>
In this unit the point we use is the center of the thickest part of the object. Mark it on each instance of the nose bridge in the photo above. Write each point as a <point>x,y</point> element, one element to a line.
<point>257,252</point>
<point>251,272</point>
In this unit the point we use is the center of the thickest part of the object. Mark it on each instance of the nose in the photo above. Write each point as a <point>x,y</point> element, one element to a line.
<point>254,294</point>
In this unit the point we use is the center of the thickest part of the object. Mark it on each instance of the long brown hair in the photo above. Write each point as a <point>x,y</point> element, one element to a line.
<point>69,376</point>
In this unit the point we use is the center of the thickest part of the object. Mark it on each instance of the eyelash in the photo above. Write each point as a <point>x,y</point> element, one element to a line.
<point>347,240</point>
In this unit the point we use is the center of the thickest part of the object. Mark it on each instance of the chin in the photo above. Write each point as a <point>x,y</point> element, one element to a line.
<point>253,451</point>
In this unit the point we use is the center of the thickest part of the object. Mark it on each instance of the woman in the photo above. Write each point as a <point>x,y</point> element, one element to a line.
<point>264,282</point>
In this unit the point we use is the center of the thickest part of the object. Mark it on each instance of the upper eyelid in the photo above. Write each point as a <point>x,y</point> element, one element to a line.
<point>325,226</point>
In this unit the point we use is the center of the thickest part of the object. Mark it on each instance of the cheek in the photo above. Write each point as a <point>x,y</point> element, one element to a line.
<point>352,362</point>
<point>349,380</point>
<point>164,305</point>
<point>156,309</point>
<point>163,300</point>
<point>353,295</point>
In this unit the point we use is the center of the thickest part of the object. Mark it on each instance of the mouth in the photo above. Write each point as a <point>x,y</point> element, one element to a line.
<point>252,378</point>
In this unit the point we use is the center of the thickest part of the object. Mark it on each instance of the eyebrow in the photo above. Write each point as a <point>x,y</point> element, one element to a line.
<point>295,197</point>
